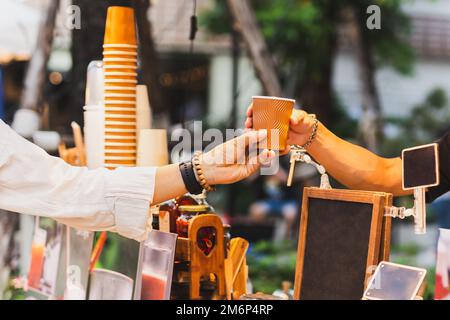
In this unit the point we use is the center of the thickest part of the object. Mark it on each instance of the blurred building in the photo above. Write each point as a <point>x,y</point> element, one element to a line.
<point>209,91</point>
<point>430,36</point>
<point>212,55</point>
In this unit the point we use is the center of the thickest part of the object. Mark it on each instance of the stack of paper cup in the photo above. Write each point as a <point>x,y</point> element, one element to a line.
<point>143,110</point>
<point>120,66</point>
<point>94,136</point>
<point>153,148</point>
<point>94,116</point>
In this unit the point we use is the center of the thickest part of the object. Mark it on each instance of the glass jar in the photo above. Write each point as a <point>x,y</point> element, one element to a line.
<point>187,212</point>
<point>172,207</point>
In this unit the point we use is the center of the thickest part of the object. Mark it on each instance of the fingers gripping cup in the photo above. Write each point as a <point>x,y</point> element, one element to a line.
<point>273,114</point>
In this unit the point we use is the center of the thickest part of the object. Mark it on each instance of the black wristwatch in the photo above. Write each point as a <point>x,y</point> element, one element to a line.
<point>189,179</point>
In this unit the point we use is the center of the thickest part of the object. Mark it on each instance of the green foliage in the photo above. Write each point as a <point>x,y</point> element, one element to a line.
<point>301,32</point>
<point>425,122</point>
<point>270,264</point>
<point>343,125</point>
<point>389,43</point>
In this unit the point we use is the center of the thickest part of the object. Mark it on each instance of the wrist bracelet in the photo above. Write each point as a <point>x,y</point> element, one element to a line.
<point>313,133</point>
<point>189,179</point>
<point>198,170</point>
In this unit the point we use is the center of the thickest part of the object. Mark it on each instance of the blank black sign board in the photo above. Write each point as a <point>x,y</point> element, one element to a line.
<point>339,242</point>
<point>420,167</point>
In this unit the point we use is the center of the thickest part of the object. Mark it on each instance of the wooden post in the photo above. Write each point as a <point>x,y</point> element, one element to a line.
<point>246,24</point>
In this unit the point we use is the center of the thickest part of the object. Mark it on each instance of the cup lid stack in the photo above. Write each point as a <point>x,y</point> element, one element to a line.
<point>120,80</point>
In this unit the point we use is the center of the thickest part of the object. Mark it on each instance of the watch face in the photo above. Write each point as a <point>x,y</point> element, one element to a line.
<point>420,167</point>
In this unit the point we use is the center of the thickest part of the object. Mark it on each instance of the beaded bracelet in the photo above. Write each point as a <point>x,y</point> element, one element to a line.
<point>199,172</point>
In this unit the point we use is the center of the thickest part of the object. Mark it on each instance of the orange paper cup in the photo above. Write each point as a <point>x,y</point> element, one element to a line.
<point>273,114</point>
<point>121,157</point>
<point>120,88</point>
<point>120,163</point>
<point>112,148</point>
<point>132,54</point>
<point>120,47</point>
<point>119,66</point>
<point>113,139</point>
<point>120,26</point>
<point>121,82</point>
<point>119,60</point>
<point>120,118</point>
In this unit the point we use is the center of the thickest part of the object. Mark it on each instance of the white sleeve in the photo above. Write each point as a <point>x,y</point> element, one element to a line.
<point>33,182</point>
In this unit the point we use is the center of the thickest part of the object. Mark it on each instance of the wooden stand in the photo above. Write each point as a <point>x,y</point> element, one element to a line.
<point>227,266</point>
<point>236,269</point>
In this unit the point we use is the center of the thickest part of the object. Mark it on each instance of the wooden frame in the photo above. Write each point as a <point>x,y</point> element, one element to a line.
<point>385,249</point>
<point>205,265</point>
<point>436,157</point>
<point>379,239</point>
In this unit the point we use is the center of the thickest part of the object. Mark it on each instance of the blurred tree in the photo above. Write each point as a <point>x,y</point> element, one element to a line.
<point>303,38</point>
<point>149,57</point>
<point>427,121</point>
<point>34,82</point>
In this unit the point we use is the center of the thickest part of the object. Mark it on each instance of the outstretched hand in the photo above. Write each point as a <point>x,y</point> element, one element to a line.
<point>236,159</point>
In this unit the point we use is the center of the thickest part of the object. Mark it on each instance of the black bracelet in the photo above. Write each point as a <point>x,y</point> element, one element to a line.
<point>189,179</point>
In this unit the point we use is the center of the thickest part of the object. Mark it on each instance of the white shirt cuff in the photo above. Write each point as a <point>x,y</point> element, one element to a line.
<point>129,192</point>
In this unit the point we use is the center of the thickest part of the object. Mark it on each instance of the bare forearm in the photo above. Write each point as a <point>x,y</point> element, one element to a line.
<point>354,166</point>
<point>168,183</point>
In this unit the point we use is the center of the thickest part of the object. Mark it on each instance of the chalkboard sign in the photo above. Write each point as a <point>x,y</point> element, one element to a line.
<point>420,166</point>
<point>341,240</point>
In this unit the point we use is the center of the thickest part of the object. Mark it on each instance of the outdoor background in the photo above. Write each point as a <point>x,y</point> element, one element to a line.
<point>385,89</point>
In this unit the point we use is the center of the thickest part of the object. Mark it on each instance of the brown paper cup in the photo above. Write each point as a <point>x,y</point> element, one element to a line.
<point>273,114</point>
<point>120,26</point>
